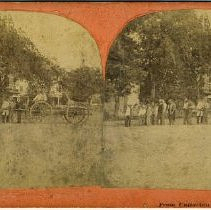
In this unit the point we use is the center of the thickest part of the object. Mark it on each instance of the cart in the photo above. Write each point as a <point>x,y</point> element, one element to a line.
<point>74,112</point>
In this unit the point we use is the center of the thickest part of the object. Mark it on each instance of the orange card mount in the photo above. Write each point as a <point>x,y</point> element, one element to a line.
<point>104,22</point>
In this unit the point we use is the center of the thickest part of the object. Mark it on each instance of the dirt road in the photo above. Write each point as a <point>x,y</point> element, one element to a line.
<point>50,155</point>
<point>158,156</point>
<point>59,155</point>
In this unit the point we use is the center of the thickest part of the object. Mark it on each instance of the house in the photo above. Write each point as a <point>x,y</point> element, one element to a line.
<point>56,93</point>
<point>207,86</point>
<point>131,98</point>
<point>17,86</point>
<point>21,85</point>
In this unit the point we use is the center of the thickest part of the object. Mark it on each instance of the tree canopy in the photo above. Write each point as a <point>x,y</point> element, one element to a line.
<point>166,53</point>
<point>20,57</point>
<point>82,83</point>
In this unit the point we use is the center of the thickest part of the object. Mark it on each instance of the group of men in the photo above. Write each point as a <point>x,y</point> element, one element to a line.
<point>10,106</point>
<point>155,113</point>
<point>200,108</point>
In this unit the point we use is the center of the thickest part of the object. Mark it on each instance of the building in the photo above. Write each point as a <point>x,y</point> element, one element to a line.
<point>207,86</point>
<point>17,86</point>
<point>129,99</point>
<point>56,93</point>
<point>21,85</point>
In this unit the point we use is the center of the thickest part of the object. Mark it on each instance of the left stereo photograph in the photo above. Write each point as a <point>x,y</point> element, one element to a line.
<point>51,102</point>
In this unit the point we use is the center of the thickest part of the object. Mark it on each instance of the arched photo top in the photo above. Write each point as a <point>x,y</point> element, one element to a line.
<point>166,53</point>
<point>42,48</point>
<point>59,38</point>
<point>50,97</point>
<point>158,83</point>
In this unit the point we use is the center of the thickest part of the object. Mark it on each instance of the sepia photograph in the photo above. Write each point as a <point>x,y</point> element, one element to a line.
<point>105,105</point>
<point>50,95</point>
<point>158,102</point>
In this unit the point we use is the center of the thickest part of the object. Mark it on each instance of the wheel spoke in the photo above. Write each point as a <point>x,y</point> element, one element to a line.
<point>40,110</point>
<point>75,115</point>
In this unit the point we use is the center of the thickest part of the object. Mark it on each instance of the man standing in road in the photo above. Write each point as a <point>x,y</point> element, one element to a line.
<point>171,111</point>
<point>154,113</point>
<point>133,101</point>
<point>200,111</point>
<point>5,107</point>
<point>206,108</point>
<point>187,107</point>
<point>161,112</point>
<point>142,114</point>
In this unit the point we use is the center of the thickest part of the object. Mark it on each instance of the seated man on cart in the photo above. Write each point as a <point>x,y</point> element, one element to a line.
<point>41,96</point>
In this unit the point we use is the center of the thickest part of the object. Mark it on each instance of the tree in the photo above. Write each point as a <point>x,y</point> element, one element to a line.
<point>164,52</point>
<point>121,70</point>
<point>20,57</point>
<point>82,83</point>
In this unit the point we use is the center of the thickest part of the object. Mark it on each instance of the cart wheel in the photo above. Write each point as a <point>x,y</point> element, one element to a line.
<point>76,115</point>
<point>40,110</point>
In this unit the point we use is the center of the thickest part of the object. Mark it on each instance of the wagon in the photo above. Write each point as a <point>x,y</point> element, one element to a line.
<point>74,112</point>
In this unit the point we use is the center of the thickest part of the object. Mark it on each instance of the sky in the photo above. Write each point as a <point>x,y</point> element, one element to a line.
<point>60,39</point>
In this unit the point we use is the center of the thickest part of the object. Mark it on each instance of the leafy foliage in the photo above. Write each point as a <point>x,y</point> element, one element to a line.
<point>82,83</point>
<point>19,56</point>
<point>166,53</point>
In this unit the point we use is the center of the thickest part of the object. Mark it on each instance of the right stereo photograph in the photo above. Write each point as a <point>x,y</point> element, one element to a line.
<point>157,103</point>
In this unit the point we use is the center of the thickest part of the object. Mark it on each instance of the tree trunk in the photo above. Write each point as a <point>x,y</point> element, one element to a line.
<point>153,91</point>
<point>140,93</point>
<point>117,105</point>
<point>125,103</point>
<point>198,80</point>
<point>198,91</point>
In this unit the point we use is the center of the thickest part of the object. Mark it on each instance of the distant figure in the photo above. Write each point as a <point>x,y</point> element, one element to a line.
<point>128,116</point>
<point>200,111</point>
<point>19,109</point>
<point>132,102</point>
<point>41,96</point>
<point>154,113</point>
<point>171,109</point>
<point>187,108</point>
<point>161,112</point>
<point>142,114</point>
<point>206,108</point>
<point>105,115</point>
<point>5,107</point>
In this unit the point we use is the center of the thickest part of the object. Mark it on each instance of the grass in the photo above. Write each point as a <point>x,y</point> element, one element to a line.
<point>56,154</point>
<point>50,155</point>
<point>165,157</point>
